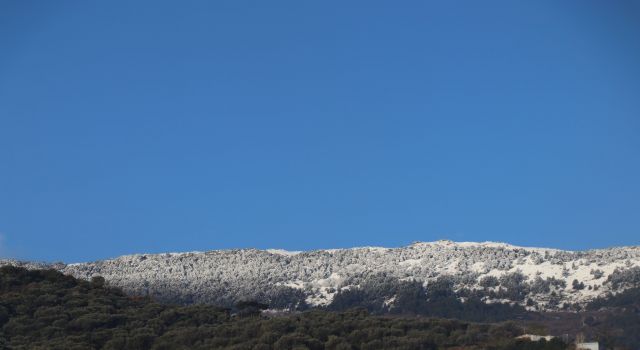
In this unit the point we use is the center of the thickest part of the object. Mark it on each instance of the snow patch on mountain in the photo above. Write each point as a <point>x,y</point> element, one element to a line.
<point>283,252</point>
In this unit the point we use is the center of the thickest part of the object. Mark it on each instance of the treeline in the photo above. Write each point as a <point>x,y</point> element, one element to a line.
<point>44,309</point>
<point>389,295</point>
<point>618,318</point>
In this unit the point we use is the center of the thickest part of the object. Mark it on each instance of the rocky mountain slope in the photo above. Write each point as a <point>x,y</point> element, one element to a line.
<point>537,278</point>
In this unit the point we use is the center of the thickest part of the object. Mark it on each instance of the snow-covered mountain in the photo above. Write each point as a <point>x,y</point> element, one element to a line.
<point>537,278</point>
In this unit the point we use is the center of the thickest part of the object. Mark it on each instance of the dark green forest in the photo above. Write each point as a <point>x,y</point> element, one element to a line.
<point>412,298</point>
<point>44,309</point>
<point>616,319</point>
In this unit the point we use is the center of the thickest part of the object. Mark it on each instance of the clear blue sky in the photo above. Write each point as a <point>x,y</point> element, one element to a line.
<point>170,126</point>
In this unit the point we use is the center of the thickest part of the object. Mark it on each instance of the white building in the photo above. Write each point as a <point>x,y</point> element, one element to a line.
<point>534,337</point>
<point>587,346</point>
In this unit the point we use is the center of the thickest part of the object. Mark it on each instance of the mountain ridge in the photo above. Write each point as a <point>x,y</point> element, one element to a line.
<point>489,244</point>
<point>493,272</point>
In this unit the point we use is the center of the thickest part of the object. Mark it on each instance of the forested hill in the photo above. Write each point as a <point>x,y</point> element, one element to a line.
<point>494,273</point>
<point>44,309</point>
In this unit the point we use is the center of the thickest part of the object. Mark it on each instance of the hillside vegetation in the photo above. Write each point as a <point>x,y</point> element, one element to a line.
<point>44,309</point>
<point>535,278</point>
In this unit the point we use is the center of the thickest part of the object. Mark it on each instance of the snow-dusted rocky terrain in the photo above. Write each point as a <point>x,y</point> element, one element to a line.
<point>536,277</point>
